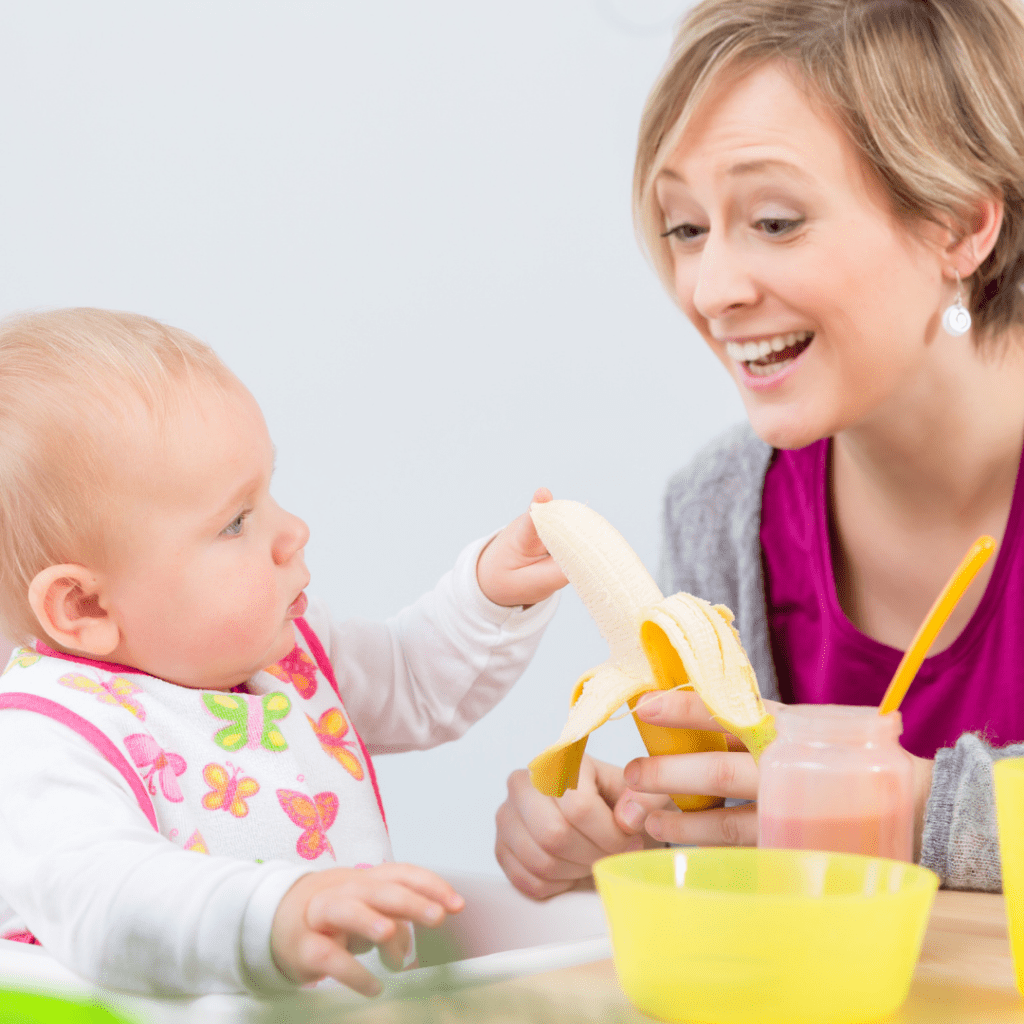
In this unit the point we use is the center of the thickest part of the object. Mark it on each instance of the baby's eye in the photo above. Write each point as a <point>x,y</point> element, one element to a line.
<point>234,528</point>
<point>685,232</point>
<point>778,225</point>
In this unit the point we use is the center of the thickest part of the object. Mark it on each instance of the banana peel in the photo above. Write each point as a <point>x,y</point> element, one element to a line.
<point>654,643</point>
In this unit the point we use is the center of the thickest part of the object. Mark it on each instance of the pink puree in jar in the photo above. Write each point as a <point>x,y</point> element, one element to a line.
<point>836,778</point>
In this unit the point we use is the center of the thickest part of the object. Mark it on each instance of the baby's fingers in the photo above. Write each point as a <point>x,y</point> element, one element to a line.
<point>334,913</point>
<point>370,912</point>
<point>394,951</point>
<point>424,882</point>
<point>321,956</point>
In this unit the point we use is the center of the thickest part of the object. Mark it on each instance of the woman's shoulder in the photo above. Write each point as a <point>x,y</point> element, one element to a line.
<point>726,474</point>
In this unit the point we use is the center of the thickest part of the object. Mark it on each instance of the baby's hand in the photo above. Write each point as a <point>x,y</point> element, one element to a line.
<point>327,916</point>
<point>515,567</point>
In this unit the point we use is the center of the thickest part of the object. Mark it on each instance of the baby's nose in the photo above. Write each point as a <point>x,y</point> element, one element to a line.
<point>292,538</point>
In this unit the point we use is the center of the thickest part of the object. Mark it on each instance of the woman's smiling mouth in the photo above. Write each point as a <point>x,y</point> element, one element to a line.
<point>770,355</point>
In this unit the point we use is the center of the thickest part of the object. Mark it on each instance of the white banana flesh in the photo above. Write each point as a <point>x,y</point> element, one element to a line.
<point>654,643</point>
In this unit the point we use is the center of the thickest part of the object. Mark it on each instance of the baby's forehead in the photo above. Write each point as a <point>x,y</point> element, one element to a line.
<point>200,444</point>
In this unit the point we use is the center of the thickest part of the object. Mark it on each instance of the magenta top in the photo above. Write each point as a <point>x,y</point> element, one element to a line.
<point>974,685</point>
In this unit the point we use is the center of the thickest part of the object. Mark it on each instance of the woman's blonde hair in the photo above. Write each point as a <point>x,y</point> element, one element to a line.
<point>931,92</point>
<point>72,383</point>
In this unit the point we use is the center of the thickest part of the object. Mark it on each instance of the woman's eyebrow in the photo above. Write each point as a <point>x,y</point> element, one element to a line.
<point>745,167</point>
<point>767,164</point>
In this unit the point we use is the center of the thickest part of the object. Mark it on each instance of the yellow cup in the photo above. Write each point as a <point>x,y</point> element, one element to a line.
<point>1009,782</point>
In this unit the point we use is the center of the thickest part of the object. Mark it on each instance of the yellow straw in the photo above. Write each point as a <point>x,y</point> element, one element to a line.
<point>981,551</point>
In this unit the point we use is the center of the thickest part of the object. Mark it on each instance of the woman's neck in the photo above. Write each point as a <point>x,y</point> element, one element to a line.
<point>949,442</point>
<point>915,484</point>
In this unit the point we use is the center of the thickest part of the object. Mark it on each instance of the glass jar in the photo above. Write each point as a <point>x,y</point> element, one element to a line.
<point>836,778</point>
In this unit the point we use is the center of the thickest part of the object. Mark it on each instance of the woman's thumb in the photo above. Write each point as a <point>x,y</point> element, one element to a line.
<point>631,809</point>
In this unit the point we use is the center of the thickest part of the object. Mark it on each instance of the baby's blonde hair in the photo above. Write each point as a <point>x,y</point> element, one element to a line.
<point>931,92</point>
<point>71,382</point>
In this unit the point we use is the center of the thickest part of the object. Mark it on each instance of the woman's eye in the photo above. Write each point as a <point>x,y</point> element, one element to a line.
<point>777,225</point>
<point>685,232</point>
<point>234,528</point>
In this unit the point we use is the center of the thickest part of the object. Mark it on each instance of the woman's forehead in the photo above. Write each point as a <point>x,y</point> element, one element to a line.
<point>763,121</point>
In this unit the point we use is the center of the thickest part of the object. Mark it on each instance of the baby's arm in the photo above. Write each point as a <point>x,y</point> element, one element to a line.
<point>328,915</point>
<point>107,895</point>
<point>427,674</point>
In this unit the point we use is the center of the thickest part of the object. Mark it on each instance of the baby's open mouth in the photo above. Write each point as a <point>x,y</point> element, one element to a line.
<point>770,355</point>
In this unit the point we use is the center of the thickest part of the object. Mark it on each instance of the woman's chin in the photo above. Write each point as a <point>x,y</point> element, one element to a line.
<point>785,428</point>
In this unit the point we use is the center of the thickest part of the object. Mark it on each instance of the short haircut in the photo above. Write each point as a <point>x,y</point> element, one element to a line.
<point>70,382</point>
<point>930,92</point>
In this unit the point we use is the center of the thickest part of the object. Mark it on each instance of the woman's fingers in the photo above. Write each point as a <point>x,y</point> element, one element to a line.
<point>539,829</point>
<point>590,810</point>
<point>683,709</point>
<point>675,709</point>
<point>544,845</point>
<point>724,826</point>
<point>528,883</point>
<point>729,774</point>
<point>710,773</point>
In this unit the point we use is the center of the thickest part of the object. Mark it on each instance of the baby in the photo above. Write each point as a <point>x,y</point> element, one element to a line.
<point>186,793</point>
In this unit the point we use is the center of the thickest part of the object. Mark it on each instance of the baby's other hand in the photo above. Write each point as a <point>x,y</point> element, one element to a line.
<point>515,567</point>
<point>328,916</point>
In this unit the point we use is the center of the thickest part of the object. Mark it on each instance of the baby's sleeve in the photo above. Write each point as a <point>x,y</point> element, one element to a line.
<point>427,674</point>
<point>961,838</point>
<point>82,868</point>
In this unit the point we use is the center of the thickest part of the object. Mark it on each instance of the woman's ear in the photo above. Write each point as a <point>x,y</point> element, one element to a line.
<point>66,602</point>
<point>967,252</point>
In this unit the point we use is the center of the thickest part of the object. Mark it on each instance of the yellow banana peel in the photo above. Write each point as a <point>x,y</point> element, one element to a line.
<point>655,642</point>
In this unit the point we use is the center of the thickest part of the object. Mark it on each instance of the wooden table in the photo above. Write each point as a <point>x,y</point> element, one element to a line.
<point>965,976</point>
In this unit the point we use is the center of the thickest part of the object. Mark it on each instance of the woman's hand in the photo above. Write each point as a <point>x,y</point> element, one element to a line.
<point>730,773</point>
<point>328,916</point>
<point>546,845</point>
<point>515,567</point>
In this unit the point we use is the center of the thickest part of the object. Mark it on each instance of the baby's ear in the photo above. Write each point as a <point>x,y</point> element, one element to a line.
<point>66,601</point>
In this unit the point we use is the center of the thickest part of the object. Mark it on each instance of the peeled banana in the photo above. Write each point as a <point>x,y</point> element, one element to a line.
<point>654,643</point>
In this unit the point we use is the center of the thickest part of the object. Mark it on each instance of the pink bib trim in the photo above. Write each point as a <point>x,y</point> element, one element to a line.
<point>106,666</point>
<point>324,664</point>
<point>88,731</point>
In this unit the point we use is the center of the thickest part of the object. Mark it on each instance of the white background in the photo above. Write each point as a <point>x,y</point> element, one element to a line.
<point>406,226</point>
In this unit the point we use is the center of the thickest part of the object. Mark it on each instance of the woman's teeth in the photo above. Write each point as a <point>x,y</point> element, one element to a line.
<point>766,357</point>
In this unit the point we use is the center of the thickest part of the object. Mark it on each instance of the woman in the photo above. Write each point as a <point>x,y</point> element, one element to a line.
<point>817,183</point>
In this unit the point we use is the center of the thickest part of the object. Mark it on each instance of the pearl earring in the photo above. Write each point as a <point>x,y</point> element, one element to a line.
<point>957,320</point>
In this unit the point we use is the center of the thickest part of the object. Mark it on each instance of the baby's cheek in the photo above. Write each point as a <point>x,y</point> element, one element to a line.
<point>257,614</point>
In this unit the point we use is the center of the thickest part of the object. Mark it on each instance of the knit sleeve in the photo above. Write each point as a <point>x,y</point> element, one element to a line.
<point>961,840</point>
<point>711,544</point>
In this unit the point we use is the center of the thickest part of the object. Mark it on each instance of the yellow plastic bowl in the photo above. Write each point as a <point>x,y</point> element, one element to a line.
<point>745,936</point>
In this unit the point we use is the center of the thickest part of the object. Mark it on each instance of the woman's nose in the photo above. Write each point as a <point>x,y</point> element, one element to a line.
<point>292,536</point>
<point>723,282</point>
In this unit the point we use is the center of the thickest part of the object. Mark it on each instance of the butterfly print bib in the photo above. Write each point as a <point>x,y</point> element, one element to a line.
<point>274,773</point>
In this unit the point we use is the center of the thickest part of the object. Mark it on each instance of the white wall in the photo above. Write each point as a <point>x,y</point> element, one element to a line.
<point>406,226</point>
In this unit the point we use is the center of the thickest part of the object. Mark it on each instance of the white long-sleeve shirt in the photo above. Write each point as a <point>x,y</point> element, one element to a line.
<point>82,868</point>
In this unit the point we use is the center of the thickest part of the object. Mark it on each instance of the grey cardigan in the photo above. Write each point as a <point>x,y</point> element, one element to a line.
<point>712,548</point>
